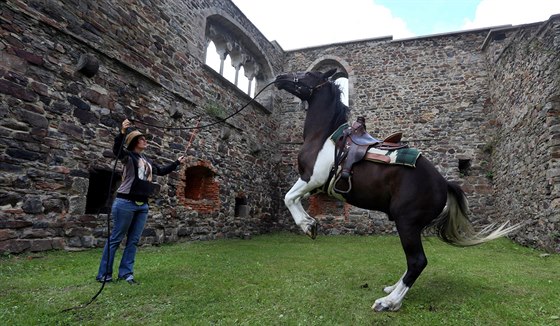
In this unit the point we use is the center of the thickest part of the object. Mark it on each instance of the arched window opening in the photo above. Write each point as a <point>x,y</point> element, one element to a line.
<point>243,81</point>
<point>343,83</point>
<point>341,76</point>
<point>212,57</point>
<point>229,70</point>
<point>242,60</point>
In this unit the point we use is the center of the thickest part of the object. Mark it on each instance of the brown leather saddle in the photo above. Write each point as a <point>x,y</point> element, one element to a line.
<point>353,147</point>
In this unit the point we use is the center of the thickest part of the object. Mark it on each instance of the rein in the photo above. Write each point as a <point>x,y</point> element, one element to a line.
<point>210,124</point>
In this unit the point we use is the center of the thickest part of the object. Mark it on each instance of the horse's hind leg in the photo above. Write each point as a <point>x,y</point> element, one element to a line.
<point>416,262</point>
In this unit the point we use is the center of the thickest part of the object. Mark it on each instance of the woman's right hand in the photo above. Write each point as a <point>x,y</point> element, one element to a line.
<point>125,125</point>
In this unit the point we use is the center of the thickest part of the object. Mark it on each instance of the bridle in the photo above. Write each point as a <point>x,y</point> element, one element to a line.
<point>299,86</point>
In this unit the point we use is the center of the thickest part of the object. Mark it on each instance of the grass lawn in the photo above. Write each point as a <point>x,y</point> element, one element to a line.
<point>286,279</point>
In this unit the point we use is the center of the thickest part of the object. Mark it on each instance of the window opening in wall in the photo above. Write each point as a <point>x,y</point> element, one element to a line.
<point>199,181</point>
<point>252,87</point>
<point>464,166</point>
<point>229,70</point>
<point>98,189</point>
<point>343,83</point>
<point>242,81</point>
<point>212,57</point>
<point>241,207</point>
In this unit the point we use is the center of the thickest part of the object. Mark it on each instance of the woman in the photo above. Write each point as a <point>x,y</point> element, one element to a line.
<point>130,208</point>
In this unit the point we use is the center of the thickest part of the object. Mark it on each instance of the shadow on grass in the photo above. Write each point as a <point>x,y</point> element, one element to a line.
<point>441,290</point>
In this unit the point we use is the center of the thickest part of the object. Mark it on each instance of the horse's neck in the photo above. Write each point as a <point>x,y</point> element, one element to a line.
<point>322,118</point>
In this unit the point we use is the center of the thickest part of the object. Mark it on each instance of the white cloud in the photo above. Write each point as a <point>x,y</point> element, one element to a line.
<point>304,23</point>
<point>504,12</point>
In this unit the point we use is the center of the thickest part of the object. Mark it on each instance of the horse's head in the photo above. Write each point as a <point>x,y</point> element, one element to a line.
<point>302,84</point>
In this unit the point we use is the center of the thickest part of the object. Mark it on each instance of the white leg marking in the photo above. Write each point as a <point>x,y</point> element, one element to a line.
<point>393,301</point>
<point>293,202</point>
<point>390,289</point>
<point>301,188</point>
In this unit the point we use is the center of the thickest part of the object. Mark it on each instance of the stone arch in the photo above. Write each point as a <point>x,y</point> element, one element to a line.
<point>344,70</point>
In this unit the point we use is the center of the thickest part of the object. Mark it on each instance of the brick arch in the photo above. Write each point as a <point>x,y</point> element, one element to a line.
<point>198,187</point>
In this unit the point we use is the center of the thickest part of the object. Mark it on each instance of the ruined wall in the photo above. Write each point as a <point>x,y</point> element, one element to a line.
<point>524,80</point>
<point>57,124</point>
<point>481,105</point>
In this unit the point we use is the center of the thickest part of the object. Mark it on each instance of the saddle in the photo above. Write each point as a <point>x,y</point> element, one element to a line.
<point>354,145</point>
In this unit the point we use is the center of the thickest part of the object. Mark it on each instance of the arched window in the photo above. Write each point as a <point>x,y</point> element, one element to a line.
<point>243,81</point>
<point>343,83</point>
<point>341,77</point>
<point>242,61</point>
<point>212,57</point>
<point>229,70</point>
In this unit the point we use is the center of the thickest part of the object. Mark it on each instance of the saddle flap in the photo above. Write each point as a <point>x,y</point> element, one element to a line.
<point>364,139</point>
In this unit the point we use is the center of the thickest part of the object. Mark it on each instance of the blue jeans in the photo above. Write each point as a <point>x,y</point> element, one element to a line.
<point>128,220</point>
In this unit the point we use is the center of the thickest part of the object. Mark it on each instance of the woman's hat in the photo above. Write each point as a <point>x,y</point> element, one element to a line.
<point>129,140</point>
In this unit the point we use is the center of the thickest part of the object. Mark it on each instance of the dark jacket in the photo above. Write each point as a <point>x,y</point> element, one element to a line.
<point>137,174</point>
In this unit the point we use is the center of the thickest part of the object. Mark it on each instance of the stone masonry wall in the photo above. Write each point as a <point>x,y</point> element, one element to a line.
<point>57,125</point>
<point>524,76</point>
<point>482,105</point>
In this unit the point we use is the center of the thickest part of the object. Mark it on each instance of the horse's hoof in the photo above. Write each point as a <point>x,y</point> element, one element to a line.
<point>312,230</point>
<point>379,306</point>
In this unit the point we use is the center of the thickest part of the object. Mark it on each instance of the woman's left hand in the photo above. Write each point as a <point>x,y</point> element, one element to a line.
<point>181,159</point>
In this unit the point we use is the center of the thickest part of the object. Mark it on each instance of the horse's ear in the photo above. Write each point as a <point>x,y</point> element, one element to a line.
<point>329,73</point>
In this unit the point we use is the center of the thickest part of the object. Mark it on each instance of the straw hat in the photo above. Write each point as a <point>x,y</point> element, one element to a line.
<point>131,137</point>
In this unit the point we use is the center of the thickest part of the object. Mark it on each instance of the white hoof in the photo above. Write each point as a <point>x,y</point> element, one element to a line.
<point>381,305</point>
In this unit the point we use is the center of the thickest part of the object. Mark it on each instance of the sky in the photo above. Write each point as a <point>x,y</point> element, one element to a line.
<point>298,24</point>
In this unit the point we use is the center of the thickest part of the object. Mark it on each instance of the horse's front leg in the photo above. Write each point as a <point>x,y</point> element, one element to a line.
<point>293,201</point>
<point>416,262</point>
<point>301,188</point>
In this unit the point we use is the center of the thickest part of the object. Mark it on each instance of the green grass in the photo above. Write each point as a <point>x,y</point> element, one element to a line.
<point>286,279</point>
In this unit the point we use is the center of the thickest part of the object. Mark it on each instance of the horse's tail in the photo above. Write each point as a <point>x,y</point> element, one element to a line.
<point>454,227</point>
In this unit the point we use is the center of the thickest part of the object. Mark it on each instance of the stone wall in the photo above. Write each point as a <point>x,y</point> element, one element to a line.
<point>482,105</point>
<point>524,79</point>
<point>58,124</point>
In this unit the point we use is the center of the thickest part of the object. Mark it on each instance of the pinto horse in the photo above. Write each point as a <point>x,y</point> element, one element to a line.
<point>413,197</point>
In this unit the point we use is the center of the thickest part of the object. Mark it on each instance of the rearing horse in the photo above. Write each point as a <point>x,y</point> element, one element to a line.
<point>414,198</point>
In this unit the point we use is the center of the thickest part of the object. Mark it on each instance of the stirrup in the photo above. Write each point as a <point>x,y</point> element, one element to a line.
<point>342,191</point>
